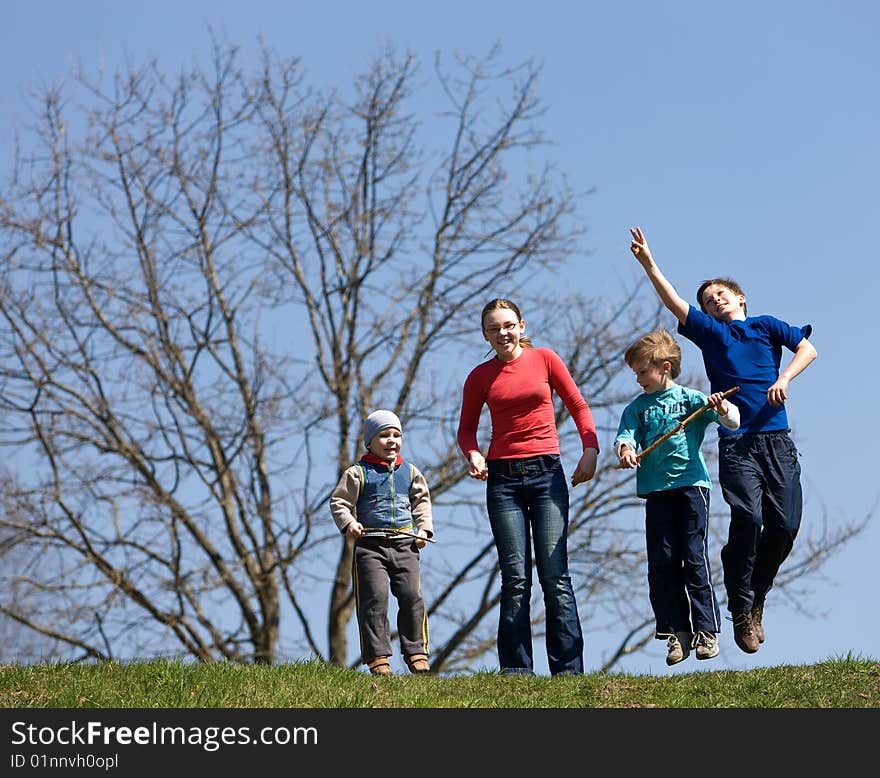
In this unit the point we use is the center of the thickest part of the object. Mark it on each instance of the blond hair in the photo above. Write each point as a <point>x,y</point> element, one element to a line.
<point>656,347</point>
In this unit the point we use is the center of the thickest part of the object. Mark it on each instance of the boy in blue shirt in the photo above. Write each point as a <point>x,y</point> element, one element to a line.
<point>674,481</point>
<point>758,467</point>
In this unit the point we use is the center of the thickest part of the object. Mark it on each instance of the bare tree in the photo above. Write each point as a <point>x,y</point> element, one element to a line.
<point>208,280</point>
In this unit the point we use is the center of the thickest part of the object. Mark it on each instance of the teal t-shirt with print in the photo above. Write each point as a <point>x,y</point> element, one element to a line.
<point>678,461</point>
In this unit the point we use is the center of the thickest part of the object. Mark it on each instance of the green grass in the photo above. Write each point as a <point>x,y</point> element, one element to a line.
<point>847,682</point>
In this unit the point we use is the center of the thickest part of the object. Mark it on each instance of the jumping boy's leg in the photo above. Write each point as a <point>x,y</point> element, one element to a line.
<point>782,508</point>
<point>694,521</point>
<point>371,597</point>
<point>666,584</point>
<point>741,485</point>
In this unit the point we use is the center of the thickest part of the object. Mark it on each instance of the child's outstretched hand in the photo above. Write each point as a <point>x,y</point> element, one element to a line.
<point>639,246</point>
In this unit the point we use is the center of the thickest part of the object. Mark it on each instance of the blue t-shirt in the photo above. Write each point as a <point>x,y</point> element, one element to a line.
<point>678,461</point>
<point>745,354</point>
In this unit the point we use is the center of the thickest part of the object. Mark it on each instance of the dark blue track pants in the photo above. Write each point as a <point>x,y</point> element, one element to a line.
<point>679,575</point>
<point>760,479</point>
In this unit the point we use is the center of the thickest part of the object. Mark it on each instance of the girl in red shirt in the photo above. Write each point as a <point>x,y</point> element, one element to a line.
<point>526,490</point>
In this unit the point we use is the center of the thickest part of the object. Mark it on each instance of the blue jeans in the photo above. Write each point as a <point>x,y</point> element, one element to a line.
<point>760,479</point>
<point>529,497</point>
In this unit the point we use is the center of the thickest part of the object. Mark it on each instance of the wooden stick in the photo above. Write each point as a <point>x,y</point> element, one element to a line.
<point>680,427</point>
<point>399,532</point>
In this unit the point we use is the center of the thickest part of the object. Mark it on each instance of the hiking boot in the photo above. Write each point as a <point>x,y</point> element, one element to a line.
<point>380,666</point>
<point>418,663</point>
<point>744,632</point>
<point>678,647</point>
<point>706,644</point>
<point>757,616</point>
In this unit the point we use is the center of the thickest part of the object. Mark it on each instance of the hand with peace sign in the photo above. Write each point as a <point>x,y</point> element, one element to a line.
<point>639,247</point>
<point>670,298</point>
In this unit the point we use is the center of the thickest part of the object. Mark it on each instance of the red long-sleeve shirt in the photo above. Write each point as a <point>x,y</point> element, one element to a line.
<point>519,396</point>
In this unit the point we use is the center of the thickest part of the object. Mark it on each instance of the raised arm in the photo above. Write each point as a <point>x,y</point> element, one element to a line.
<point>670,298</point>
<point>805,354</point>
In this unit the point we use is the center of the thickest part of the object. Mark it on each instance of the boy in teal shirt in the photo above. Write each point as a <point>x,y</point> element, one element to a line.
<point>675,483</point>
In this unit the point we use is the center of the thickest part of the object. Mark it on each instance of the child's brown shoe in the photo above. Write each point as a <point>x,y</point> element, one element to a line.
<point>379,666</point>
<point>418,663</point>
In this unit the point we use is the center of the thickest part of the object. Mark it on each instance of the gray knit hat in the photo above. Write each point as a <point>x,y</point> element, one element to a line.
<point>377,421</point>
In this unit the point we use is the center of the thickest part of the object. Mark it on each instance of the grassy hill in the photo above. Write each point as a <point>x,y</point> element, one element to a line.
<point>848,682</point>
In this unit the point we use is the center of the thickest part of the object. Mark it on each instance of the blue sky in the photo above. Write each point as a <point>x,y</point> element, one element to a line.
<point>742,138</point>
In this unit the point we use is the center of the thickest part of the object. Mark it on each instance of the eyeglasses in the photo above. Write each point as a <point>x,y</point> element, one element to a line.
<point>504,328</point>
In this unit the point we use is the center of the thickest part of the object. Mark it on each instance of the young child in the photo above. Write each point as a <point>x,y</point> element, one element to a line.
<point>758,467</point>
<point>382,502</point>
<point>674,481</point>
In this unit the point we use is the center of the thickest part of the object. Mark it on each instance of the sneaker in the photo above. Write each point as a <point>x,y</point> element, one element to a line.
<point>757,616</point>
<point>706,644</point>
<point>744,632</point>
<point>678,647</point>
